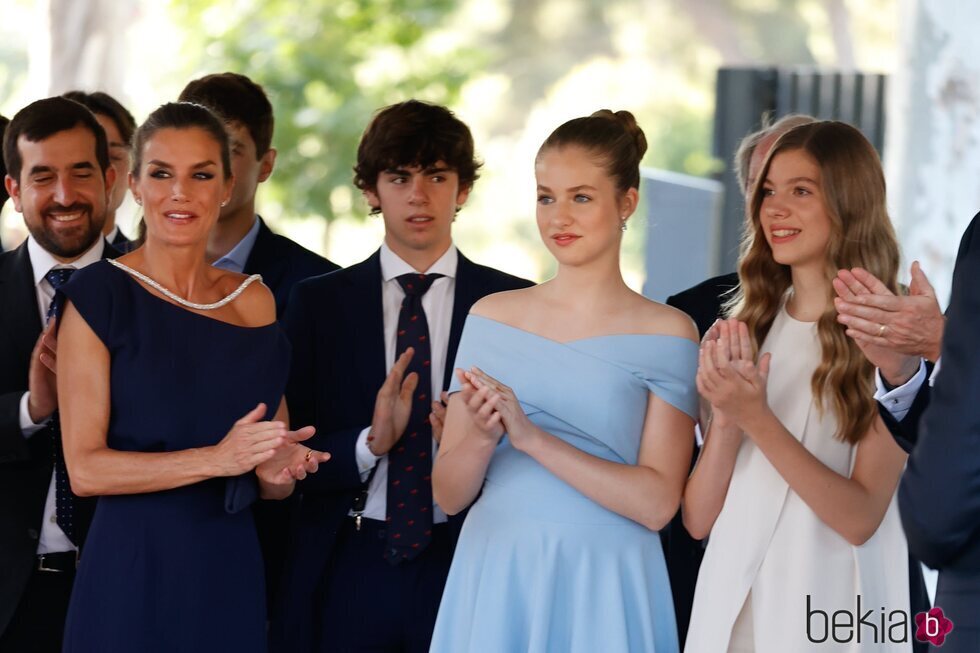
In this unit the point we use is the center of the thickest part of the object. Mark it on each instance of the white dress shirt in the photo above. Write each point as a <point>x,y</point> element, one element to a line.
<point>53,539</point>
<point>898,400</point>
<point>438,306</point>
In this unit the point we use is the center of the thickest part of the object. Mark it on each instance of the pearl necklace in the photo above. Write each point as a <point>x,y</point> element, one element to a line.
<point>180,300</point>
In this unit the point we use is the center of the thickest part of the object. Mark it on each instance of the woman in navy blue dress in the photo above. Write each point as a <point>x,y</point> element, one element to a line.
<point>167,371</point>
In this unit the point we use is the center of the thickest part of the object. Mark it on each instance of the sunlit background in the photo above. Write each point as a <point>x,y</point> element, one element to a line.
<point>512,69</point>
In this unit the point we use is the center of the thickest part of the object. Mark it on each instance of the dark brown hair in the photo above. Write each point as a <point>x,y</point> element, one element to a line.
<point>3,169</point>
<point>44,118</point>
<point>614,139</point>
<point>853,188</point>
<point>235,98</point>
<point>181,115</point>
<point>415,133</point>
<point>104,104</point>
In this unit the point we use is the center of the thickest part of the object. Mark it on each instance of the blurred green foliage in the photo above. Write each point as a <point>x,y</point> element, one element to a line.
<point>326,65</point>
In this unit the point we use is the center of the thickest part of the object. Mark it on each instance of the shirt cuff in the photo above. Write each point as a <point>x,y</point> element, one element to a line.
<point>365,459</point>
<point>898,400</point>
<point>27,426</point>
<point>935,372</point>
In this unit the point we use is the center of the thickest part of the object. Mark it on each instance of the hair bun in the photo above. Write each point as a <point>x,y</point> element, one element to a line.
<point>627,121</point>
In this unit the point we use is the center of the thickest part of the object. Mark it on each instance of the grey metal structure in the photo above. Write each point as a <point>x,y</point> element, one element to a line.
<point>743,95</point>
<point>682,221</point>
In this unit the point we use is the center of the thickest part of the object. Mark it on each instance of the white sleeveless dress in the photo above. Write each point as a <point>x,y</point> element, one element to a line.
<point>768,547</point>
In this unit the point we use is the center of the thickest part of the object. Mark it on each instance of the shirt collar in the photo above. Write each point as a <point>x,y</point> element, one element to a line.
<point>43,262</point>
<point>111,236</point>
<point>393,266</point>
<point>237,257</point>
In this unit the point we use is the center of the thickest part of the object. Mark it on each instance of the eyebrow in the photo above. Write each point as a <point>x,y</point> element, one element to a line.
<point>39,170</point>
<point>573,189</point>
<point>795,180</point>
<point>431,170</point>
<point>196,166</point>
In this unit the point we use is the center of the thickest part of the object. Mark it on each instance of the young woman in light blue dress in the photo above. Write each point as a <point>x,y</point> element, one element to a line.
<point>570,429</point>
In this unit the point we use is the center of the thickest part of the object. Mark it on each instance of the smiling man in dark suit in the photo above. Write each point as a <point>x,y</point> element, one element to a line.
<point>373,346</point>
<point>59,178</point>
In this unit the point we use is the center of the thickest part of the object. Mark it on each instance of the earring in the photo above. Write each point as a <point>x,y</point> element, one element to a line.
<point>622,225</point>
<point>138,201</point>
<point>224,204</point>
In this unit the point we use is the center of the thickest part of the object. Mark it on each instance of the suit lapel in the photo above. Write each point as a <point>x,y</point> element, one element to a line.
<point>262,258</point>
<point>18,297</point>
<point>367,323</point>
<point>468,291</point>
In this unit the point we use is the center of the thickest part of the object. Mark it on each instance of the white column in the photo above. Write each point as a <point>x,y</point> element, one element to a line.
<point>933,133</point>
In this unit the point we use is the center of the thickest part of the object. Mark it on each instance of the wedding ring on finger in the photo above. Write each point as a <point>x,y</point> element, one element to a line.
<point>309,454</point>
<point>881,330</point>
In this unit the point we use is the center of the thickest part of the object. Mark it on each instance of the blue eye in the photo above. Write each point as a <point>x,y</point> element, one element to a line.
<point>160,173</point>
<point>545,199</point>
<point>582,199</point>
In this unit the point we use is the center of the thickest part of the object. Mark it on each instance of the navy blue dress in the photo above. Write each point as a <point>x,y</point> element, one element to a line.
<point>178,570</point>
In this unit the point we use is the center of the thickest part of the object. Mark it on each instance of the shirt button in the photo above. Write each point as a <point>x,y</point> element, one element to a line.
<point>54,519</point>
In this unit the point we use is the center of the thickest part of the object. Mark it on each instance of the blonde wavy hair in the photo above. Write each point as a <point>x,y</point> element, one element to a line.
<point>862,235</point>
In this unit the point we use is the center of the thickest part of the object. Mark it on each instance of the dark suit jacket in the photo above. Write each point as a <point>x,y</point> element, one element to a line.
<point>25,463</point>
<point>335,323</point>
<point>703,302</point>
<point>282,264</point>
<point>939,495</point>
<point>122,243</point>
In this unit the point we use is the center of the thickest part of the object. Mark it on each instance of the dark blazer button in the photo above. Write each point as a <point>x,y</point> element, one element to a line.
<point>33,534</point>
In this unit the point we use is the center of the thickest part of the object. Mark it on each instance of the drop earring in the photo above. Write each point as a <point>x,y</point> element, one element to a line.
<point>622,224</point>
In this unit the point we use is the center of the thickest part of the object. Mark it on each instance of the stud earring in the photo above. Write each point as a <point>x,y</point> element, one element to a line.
<point>138,201</point>
<point>224,204</point>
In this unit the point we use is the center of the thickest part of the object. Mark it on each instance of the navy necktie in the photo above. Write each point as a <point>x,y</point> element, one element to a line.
<point>410,460</point>
<point>64,499</point>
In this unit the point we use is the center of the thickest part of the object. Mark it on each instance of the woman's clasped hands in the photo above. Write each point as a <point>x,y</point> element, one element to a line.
<point>269,448</point>
<point>728,376</point>
<point>495,409</point>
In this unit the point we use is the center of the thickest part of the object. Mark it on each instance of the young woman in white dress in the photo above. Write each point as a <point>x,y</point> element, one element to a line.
<point>796,481</point>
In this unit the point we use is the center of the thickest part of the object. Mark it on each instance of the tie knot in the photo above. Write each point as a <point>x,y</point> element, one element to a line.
<point>416,285</point>
<point>59,277</point>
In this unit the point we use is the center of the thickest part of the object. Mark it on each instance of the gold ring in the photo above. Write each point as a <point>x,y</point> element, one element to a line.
<point>881,330</point>
<point>309,454</point>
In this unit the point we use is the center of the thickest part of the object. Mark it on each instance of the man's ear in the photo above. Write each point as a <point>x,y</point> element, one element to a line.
<point>462,196</point>
<point>266,164</point>
<point>110,180</point>
<point>374,202</point>
<point>13,189</point>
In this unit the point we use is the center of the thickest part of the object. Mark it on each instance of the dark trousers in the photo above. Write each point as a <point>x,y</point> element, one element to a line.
<point>373,606</point>
<point>38,624</point>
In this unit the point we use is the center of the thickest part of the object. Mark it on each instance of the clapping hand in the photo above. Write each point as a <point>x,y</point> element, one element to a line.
<point>437,418</point>
<point>41,380</point>
<point>250,442</point>
<point>520,430</point>
<point>728,378</point>
<point>293,461</point>
<point>481,406</point>
<point>893,331</point>
<point>393,406</point>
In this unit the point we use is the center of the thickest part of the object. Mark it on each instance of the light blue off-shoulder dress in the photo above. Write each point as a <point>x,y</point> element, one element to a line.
<point>539,566</point>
